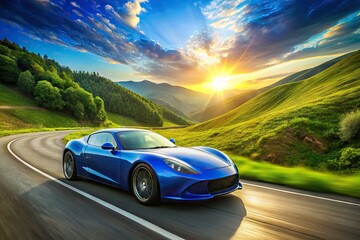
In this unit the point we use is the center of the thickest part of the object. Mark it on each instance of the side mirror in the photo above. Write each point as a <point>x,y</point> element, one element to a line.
<point>172,140</point>
<point>108,146</point>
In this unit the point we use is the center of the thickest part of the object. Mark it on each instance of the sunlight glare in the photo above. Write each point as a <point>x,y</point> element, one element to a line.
<point>219,83</point>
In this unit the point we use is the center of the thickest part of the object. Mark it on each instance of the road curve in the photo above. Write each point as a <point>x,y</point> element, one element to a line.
<point>33,206</point>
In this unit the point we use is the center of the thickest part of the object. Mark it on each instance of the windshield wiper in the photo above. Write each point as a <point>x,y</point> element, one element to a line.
<point>152,147</point>
<point>162,147</point>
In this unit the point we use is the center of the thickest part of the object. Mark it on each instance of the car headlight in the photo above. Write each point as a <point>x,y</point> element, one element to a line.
<point>179,167</point>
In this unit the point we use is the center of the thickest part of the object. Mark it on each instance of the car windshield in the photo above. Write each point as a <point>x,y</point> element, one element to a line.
<point>143,140</point>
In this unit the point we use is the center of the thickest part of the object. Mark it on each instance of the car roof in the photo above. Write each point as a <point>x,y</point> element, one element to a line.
<point>116,130</point>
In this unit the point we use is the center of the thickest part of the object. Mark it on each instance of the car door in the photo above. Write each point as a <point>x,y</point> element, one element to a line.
<point>103,165</point>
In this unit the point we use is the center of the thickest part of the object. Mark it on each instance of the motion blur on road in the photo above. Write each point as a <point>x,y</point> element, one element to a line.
<point>33,206</point>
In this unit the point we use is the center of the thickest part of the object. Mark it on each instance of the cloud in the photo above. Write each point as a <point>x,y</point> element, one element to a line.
<point>242,35</point>
<point>74,4</point>
<point>101,33</point>
<point>77,13</point>
<point>262,33</point>
<point>94,33</point>
<point>129,13</point>
<point>343,36</point>
<point>133,9</point>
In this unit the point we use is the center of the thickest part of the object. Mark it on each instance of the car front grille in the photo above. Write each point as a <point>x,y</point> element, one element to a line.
<point>222,184</point>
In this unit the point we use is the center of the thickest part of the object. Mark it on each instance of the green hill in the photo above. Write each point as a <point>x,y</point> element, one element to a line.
<point>84,96</point>
<point>292,124</point>
<point>180,98</point>
<point>18,111</point>
<point>304,74</point>
<point>118,99</point>
<point>233,102</point>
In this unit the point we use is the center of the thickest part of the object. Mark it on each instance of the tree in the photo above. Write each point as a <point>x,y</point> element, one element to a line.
<point>83,105</point>
<point>9,72</point>
<point>26,82</point>
<point>100,109</point>
<point>53,78</point>
<point>4,50</point>
<point>48,96</point>
<point>73,103</point>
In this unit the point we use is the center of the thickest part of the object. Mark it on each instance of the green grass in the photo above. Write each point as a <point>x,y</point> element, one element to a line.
<point>168,123</point>
<point>28,119</point>
<point>299,177</point>
<point>296,177</point>
<point>13,119</point>
<point>10,96</point>
<point>44,118</point>
<point>325,88</point>
<point>122,120</point>
<point>32,130</point>
<point>78,134</point>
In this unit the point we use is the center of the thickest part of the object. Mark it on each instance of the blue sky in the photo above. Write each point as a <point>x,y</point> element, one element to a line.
<point>188,43</point>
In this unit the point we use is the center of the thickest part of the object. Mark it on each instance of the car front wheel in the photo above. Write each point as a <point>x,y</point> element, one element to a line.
<point>145,185</point>
<point>69,166</point>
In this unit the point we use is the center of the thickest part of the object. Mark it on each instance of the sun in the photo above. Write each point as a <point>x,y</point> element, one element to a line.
<point>219,83</point>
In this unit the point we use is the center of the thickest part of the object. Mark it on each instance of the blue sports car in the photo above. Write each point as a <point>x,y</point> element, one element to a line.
<point>150,166</point>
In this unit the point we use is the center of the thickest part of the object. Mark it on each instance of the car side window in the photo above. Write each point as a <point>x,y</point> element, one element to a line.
<point>98,139</point>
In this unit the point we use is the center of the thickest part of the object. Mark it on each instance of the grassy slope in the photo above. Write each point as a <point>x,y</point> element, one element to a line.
<point>120,120</point>
<point>10,96</point>
<point>227,105</point>
<point>23,118</point>
<point>18,119</point>
<point>293,124</point>
<point>339,84</point>
<point>233,102</point>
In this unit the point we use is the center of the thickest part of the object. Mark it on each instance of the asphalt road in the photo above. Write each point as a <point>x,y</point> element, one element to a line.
<point>32,206</point>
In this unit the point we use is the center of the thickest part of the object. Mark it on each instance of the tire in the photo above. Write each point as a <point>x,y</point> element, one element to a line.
<point>69,166</point>
<point>144,185</point>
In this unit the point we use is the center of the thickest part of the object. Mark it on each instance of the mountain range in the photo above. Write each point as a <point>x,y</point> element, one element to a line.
<point>181,100</point>
<point>199,106</point>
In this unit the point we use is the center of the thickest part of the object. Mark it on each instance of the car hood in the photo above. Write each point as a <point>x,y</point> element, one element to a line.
<point>194,157</point>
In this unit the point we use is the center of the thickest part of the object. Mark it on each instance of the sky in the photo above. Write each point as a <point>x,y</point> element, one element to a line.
<point>205,45</point>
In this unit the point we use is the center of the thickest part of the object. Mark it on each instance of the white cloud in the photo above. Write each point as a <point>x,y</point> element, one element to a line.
<point>108,7</point>
<point>77,13</point>
<point>74,4</point>
<point>133,9</point>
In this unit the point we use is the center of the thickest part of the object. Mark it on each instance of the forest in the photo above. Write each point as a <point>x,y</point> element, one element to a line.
<point>86,96</point>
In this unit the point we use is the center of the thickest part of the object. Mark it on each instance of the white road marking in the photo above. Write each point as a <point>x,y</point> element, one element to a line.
<point>302,194</point>
<point>142,222</point>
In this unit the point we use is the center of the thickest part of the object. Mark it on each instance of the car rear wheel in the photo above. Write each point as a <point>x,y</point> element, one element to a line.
<point>69,166</point>
<point>145,185</point>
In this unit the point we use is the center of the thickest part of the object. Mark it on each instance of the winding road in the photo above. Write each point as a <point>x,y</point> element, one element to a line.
<point>36,202</point>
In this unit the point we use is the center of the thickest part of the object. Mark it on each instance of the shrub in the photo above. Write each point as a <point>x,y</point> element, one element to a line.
<point>100,109</point>
<point>48,96</point>
<point>350,126</point>
<point>26,82</point>
<point>349,158</point>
